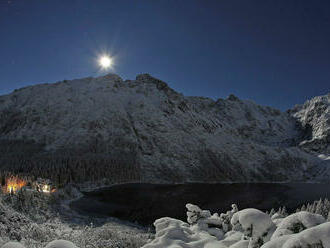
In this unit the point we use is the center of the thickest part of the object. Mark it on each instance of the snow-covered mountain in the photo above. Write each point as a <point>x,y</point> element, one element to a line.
<point>168,136</point>
<point>314,117</point>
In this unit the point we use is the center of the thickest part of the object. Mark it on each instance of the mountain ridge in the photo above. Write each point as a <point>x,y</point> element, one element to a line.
<point>168,136</point>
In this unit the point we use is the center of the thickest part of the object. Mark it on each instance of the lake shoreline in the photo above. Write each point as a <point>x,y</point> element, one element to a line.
<point>145,202</point>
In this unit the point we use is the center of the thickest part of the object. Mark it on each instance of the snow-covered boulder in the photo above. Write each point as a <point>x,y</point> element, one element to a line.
<point>176,233</point>
<point>235,235</point>
<point>231,238</point>
<point>253,223</point>
<point>214,244</point>
<point>278,221</point>
<point>277,216</point>
<point>278,242</point>
<point>60,244</point>
<point>297,222</point>
<point>315,237</point>
<point>13,245</point>
<point>241,244</point>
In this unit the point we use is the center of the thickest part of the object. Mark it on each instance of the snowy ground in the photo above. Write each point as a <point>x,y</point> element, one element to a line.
<point>34,220</point>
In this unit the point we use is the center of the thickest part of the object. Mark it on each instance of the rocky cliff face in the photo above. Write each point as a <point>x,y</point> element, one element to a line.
<point>168,136</point>
<point>314,117</point>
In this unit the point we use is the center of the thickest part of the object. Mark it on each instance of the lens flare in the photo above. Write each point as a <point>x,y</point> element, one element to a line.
<point>105,62</point>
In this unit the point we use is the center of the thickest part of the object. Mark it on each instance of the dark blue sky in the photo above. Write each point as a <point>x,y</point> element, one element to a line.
<point>276,53</point>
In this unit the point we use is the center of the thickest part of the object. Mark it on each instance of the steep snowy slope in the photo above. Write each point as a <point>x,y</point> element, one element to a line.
<point>167,136</point>
<point>314,117</point>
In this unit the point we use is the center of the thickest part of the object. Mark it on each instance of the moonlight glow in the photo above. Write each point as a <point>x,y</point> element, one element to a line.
<point>105,62</point>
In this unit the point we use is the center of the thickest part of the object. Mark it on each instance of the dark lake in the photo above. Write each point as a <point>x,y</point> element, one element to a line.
<point>143,203</point>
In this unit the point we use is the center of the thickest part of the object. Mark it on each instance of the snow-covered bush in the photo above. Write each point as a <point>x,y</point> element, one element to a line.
<point>60,244</point>
<point>30,204</point>
<point>226,218</point>
<point>19,226</point>
<point>231,238</point>
<point>278,242</point>
<point>38,233</point>
<point>202,220</point>
<point>250,228</point>
<point>282,212</point>
<point>194,214</point>
<point>202,230</point>
<point>108,235</point>
<point>176,233</point>
<point>297,222</point>
<point>277,218</point>
<point>13,245</point>
<point>241,244</point>
<point>215,224</point>
<point>254,224</point>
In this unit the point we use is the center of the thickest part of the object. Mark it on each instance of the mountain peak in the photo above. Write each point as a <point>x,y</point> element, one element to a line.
<point>232,97</point>
<point>314,117</point>
<point>113,77</point>
<point>147,78</point>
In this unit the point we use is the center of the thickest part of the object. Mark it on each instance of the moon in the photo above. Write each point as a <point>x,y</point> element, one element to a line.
<point>105,62</point>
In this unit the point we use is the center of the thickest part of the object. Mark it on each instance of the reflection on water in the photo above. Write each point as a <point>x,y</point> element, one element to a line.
<point>143,203</point>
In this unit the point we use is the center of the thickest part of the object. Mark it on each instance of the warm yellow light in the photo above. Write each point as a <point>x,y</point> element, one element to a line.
<point>46,189</point>
<point>14,184</point>
<point>105,62</point>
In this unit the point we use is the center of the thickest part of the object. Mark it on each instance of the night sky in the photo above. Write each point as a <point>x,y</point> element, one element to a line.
<point>276,53</point>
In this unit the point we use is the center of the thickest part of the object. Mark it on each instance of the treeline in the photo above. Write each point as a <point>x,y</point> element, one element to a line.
<point>29,160</point>
<point>321,207</point>
<point>64,170</point>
